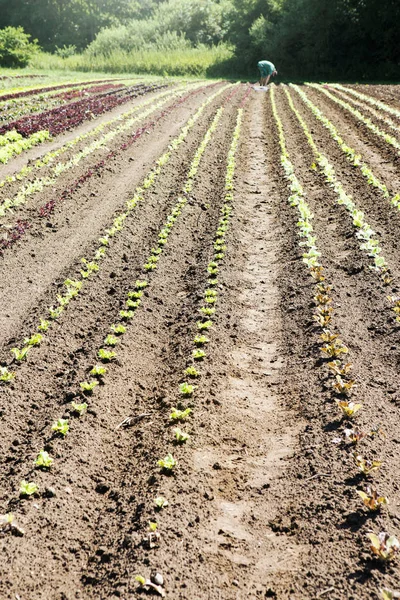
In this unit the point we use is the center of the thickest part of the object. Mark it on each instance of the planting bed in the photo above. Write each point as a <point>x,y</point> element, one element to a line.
<point>199,365</point>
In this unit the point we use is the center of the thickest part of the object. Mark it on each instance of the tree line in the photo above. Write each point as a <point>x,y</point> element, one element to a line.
<point>328,39</point>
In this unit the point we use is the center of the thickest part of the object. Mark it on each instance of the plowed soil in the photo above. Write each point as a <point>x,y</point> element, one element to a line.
<point>263,502</point>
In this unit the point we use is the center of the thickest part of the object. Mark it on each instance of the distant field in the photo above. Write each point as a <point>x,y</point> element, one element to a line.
<point>199,336</point>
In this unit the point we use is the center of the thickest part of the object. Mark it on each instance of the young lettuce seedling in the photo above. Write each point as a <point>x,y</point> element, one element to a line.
<point>204,325</point>
<point>348,409</point>
<point>371,499</point>
<point>192,372</point>
<point>20,355</point>
<point>328,337</point>
<point>106,355</point>
<point>338,369</point>
<point>212,282</point>
<point>98,371</point>
<point>366,466</point>
<point>153,526</point>
<point>44,325</point>
<point>44,460</point>
<point>55,312</point>
<point>111,340</point>
<point>27,488</point>
<point>179,415</point>
<point>354,436</point>
<point>384,546</point>
<point>335,349</point>
<point>79,408</point>
<point>198,354</point>
<point>139,285</point>
<point>6,375</point>
<point>200,340</point>
<point>343,387</point>
<point>168,463</point>
<point>126,314</point>
<point>133,303</point>
<point>61,426</point>
<point>207,311</point>
<point>135,295</point>
<point>186,389</point>
<point>180,436</point>
<point>161,502</point>
<point>118,329</point>
<point>88,387</point>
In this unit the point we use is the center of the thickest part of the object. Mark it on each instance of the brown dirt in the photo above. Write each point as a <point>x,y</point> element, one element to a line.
<point>263,503</point>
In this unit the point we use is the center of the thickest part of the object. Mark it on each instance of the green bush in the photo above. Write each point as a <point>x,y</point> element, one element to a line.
<point>15,48</point>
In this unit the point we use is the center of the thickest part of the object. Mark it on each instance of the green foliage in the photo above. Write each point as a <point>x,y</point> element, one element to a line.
<point>180,436</point>
<point>179,415</point>
<point>27,488</point>
<point>61,426</point>
<point>79,408</point>
<point>15,48</point>
<point>161,502</point>
<point>44,460</point>
<point>168,463</point>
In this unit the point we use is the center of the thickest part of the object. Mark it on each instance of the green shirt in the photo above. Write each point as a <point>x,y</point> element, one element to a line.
<point>266,67</point>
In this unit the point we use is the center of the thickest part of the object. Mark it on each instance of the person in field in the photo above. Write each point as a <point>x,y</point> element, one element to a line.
<point>266,69</point>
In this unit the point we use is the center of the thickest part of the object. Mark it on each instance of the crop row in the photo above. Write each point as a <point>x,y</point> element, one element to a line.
<point>368,242</point>
<point>15,233</point>
<point>20,93</point>
<point>376,113</point>
<point>58,120</point>
<point>49,157</point>
<point>10,149</point>
<point>106,354</point>
<point>383,545</point>
<point>38,184</point>
<point>15,109</point>
<point>93,264</point>
<point>389,139</point>
<point>368,99</point>
<point>187,390</point>
<point>351,155</point>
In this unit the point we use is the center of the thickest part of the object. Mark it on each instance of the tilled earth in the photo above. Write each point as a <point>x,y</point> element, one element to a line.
<point>263,502</point>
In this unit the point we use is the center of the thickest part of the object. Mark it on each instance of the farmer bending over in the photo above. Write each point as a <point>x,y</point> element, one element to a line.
<point>266,69</point>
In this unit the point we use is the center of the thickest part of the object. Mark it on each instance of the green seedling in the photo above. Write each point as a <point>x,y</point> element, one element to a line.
<point>61,426</point>
<point>343,387</point>
<point>150,266</point>
<point>210,299</point>
<point>88,387</point>
<point>213,281</point>
<point>338,369</point>
<point>44,325</point>
<point>55,312</point>
<point>98,371</point>
<point>180,436</point>
<point>384,546</point>
<point>192,372</point>
<point>207,311</point>
<point>366,466</point>
<point>204,325</point>
<point>168,463</point>
<point>186,389</point>
<point>200,340</point>
<point>111,340</point>
<point>348,409</point>
<point>6,375</point>
<point>135,295</point>
<point>210,292</point>
<point>179,415</point>
<point>139,285</point>
<point>371,499</point>
<point>334,349</point>
<point>106,355</point>
<point>118,329</point>
<point>80,409</point>
<point>387,594</point>
<point>27,488</point>
<point>153,526</point>
<point>161,502</point>
<point>219,255</point>
<point>44,460</point>
<point>141,580</point>
<point>126,314</point>
<point>20,354</point>
<point>133,303</point>
<point>198,354</point>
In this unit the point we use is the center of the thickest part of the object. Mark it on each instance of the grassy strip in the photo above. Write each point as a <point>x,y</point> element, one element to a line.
<point>92,265</point>
<point>389,139</point>
<point>351,155</point>
<point>330,345</point>
<point>38,185</point>
<point>366,98</point>
<point>106,354</point>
